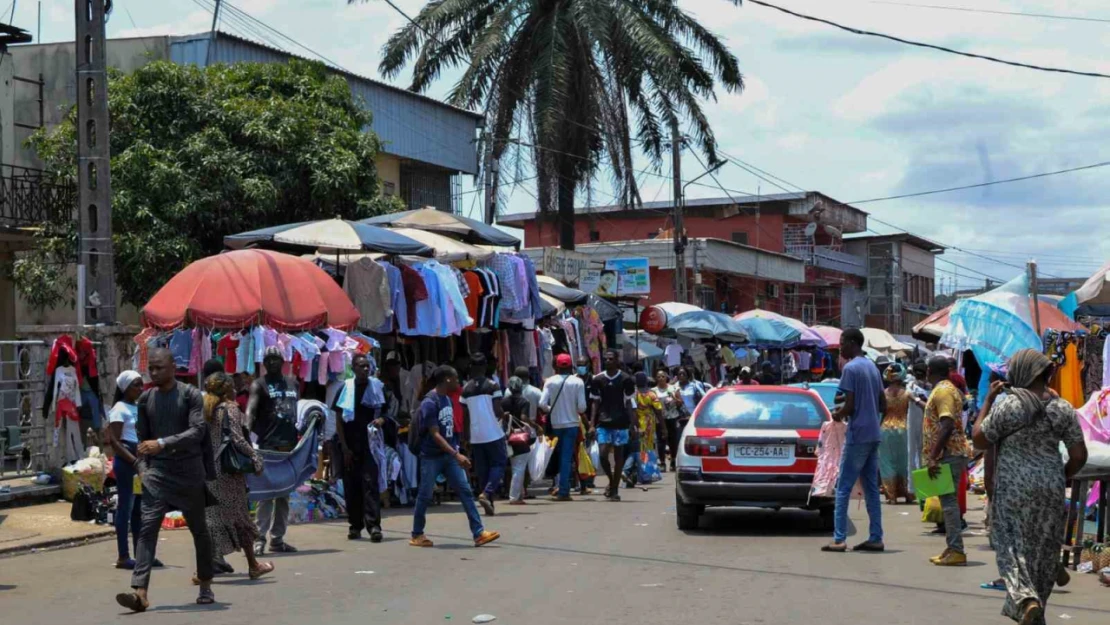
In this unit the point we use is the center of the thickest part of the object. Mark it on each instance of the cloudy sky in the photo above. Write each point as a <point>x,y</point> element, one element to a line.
<point>853,117</point>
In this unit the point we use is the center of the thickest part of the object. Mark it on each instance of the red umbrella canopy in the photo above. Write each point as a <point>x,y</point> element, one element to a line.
<point>247,287</point>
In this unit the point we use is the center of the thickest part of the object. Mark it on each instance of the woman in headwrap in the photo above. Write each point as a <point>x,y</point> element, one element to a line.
<point>125,443</point>
<point>1027,509</point>
<point>894,461</point>
<point>229,522</point>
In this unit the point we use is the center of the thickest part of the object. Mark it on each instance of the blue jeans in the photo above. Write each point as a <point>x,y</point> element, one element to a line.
<point>858,461</point>
<point>430,468</point>
<point>490,460</point>
<point>127,505</point>
<point>564,452</point>
<point>90,400</point>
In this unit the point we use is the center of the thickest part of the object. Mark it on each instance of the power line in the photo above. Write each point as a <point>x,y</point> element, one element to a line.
<point>919,44</point>
<point>984,184</point>
<point>1049,16</point>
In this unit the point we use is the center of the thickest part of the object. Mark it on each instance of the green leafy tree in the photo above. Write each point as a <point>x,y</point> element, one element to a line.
<point>198,154</point>
<point>577,77</point>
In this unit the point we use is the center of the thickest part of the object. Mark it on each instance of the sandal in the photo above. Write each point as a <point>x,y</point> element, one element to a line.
<point>997,584</point>
<point>1033,613</point>
<point>131,601</point>
<point>263,569</point>
<point>206,597</point>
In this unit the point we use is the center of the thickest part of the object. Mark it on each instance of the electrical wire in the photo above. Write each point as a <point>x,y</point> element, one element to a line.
<point>1049,16</point>
<point>930,46</point>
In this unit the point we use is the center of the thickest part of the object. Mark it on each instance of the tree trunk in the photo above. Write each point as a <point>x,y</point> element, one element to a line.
<point>566,204</point>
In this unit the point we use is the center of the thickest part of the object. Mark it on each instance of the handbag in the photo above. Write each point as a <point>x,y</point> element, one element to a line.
<point>232,461</point>
<point>521,437</point>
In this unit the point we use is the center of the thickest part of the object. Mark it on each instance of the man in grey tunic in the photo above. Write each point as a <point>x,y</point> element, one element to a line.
<point>175,458</point>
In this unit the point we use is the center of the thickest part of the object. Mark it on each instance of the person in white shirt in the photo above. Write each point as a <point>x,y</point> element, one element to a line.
<point>125,442</point>
<point>481,397</point>
<point>564,401</point>
<point>672,355</point>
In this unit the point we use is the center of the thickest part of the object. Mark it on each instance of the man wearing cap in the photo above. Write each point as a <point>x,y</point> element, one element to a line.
<point>564,401</point>
<point>272,414</point>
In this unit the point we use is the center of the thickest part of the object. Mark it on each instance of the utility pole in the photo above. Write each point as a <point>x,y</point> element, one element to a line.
<point>212,34</point>
<point>1033,300</point>
<point>679,229</point>
<point>96,278</point>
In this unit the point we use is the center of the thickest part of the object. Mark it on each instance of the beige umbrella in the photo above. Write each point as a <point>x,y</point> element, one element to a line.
<point>447,250</point>
<point>883,342</point>
<point>468,229</point>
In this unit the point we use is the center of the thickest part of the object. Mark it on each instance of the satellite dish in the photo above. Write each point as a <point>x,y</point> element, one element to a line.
<point>811,229</point>
<point>833,231</point>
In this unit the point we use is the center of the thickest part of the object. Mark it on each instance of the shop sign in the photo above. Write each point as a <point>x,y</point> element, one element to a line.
<point>564,265</point>
<point>588,280</point>
<point>625,277</point>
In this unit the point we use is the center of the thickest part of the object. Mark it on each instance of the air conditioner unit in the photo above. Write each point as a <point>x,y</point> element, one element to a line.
<point>773,290</point>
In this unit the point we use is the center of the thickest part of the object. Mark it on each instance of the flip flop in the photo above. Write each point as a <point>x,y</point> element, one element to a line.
<point>995,585</point>
<point>206,597</point>
<point>131,601</point>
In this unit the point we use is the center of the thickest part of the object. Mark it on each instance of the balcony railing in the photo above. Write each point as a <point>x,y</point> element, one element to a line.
<point>31,196</point>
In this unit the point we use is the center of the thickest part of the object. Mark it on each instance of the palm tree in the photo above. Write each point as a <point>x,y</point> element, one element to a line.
<point>574,76</point>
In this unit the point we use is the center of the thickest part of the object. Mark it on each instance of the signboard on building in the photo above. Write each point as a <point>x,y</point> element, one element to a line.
<point>564,265</point>
<point>625,277</point>
<point>588,280</point>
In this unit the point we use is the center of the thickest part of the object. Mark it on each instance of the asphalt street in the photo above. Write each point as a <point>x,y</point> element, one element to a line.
<point>589,561</point>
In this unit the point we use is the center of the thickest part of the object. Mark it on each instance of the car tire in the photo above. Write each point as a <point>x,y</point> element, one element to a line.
<point>828,518</point>
<point>688,515</point>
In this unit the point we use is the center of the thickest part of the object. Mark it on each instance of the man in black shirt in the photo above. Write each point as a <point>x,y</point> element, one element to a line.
<point>355,410</point>
<point>272,413</point>
<point>611,418</point>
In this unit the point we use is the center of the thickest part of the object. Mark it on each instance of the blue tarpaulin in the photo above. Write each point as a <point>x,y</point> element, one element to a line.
<point>283,472</point>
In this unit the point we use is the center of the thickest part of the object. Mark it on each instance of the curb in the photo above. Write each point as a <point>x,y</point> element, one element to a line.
<point>57,543</point>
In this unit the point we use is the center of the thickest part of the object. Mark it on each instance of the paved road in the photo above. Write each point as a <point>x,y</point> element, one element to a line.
<point>584,562</point>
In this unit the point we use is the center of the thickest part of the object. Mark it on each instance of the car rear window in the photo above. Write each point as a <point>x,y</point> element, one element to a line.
<point>763,410</point>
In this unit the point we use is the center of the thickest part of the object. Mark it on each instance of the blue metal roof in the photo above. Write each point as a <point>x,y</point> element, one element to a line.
<point>410,125</point>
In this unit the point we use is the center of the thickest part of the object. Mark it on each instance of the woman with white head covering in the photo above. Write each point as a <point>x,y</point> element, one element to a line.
<point>125,442</point>
<point>1027,510</point>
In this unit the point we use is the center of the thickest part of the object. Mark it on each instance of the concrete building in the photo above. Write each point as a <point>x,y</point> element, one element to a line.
<point>901,278</point>
<point>426,144</point>
<point>793,258</point>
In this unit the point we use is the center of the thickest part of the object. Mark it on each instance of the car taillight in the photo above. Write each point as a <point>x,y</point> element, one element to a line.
<point>700,446</point>
<point>806,448</point>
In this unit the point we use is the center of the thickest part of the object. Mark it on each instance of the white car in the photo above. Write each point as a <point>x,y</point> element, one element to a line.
<point>750,446</point>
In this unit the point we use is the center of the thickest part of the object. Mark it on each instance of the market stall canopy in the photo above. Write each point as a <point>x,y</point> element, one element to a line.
<point>1093,294</point>
<point>447,250</point>
<point>658,316</point>
<point>884,342</point>
<point>469,230</point>
<point>550,306</point>
<point>830,334</point>
<point>647,347</point>
<point>606,310</point>
<point>248,287</point>
<point>932,327</point>
<point>559,291</point>
<point>769,333</point>
<point>998,323</point>
<point>807,337</point>
<point>332,234</point>
<point>705,324</point>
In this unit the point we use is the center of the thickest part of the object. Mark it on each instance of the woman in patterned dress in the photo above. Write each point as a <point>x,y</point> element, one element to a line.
<point>229,522</point>
<point>894,461</point>
<point>1027,510</point>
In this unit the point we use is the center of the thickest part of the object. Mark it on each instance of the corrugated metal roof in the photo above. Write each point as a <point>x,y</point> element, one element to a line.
<point>410,125</point>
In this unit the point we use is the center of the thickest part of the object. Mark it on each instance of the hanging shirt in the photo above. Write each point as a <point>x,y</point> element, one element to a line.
<point>473,299</point>
<point>512,297</point>
<point>451,301</point>
<point>416,291</point>
<point>244,355</point>
<point>367,284</point>
<point>181,346</point>
<point>227,348</point>
<point>396,300</point>
<point>67,395</point>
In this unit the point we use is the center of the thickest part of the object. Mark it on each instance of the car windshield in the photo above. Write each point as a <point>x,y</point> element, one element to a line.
<point>760,410</point>
<point>827,393</point>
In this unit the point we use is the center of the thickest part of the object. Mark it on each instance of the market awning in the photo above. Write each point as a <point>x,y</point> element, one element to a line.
<point>884,342</point>
<point>769,333</point>
<point>447,250</point>
<point>706,324</point>
<point>469,230</point>
<point>807,337</point>
<point>605,309</point>
<point>830,334</point>
<point>557,290</point>
<point>1093,294</point>
<point>331,234</point>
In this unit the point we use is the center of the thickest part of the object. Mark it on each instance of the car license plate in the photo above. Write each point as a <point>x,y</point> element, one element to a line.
<point>761,452</point>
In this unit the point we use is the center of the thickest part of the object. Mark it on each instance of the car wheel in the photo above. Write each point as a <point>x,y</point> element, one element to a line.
<point>688,515</point>
<point>828,518</point>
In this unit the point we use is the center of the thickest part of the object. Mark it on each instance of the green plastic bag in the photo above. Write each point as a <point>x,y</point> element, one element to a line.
<point>925,486</point>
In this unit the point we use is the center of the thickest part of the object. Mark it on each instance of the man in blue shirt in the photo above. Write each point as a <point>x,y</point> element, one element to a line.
<point>438,444</point>
<point>863,407</point>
